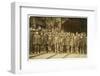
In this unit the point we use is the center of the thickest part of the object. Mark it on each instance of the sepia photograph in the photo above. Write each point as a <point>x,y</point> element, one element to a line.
<point>57,37</point>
